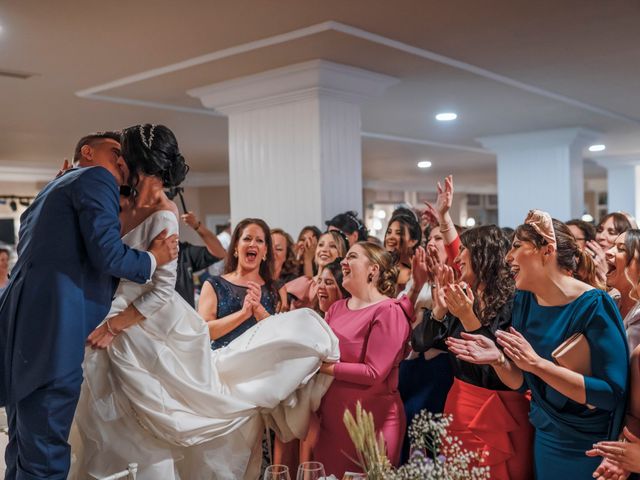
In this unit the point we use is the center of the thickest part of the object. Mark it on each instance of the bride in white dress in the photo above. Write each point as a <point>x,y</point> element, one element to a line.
<point>158,395</point>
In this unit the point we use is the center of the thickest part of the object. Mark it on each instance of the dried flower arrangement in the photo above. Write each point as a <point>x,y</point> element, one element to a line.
<point>435,454</point>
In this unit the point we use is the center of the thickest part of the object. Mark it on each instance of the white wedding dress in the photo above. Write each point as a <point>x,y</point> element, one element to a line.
<point>161,398</point>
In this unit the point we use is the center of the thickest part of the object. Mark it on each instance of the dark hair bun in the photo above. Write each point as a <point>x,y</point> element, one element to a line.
<point>176,173</point>
<point>153,150</point>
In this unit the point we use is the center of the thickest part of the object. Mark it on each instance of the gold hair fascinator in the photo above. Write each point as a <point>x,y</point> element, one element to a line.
<point>542,223</point>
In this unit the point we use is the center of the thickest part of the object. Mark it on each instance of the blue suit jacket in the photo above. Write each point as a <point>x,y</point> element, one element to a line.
<point>69,258</point>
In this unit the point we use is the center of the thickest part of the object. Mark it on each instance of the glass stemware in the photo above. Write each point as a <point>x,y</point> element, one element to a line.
<point>276,472</point>
<point>310,471</point>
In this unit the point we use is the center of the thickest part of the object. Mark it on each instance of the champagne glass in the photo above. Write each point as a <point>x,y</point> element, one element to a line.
<point>310,471</point>
<point>277,472</point>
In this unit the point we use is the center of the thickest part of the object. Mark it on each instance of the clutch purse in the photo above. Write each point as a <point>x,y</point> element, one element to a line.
<point>574,353</point>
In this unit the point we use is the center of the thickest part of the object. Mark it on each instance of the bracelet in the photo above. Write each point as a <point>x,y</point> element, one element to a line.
<point>444,230</point>
<point>111,332</point>
<point>500,362</point>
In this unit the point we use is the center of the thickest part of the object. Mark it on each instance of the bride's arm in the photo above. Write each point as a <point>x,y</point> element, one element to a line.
<point>164,278</point>
<point>162,289</point>
<point>102,336</point>
<point>208,310</point>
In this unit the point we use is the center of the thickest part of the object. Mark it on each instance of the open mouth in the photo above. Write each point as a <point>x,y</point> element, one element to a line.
<point>612,269</point>
<point>324,257</point>
<point>515,270</point>
<point>346,271</point>
<point>252,255</point>
<point>322,295</point>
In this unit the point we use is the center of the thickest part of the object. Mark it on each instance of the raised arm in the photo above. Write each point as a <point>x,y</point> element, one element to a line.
<point>214,247</point>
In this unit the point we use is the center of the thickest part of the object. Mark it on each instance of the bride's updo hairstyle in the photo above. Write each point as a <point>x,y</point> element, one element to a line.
<point>153,150</point>
<point>388,272</point>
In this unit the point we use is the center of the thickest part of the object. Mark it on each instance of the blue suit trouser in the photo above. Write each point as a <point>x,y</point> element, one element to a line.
<point>39,426</point>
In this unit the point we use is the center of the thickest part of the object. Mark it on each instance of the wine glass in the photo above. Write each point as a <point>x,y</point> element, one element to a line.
<point>276,472</point>
<point>310,471</point>
<point>354,476</point>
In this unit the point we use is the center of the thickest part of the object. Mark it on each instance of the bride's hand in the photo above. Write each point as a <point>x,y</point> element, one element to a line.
<point>100,338</point>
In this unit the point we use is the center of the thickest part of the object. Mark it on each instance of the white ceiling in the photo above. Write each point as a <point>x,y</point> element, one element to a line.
<point>505,66</point>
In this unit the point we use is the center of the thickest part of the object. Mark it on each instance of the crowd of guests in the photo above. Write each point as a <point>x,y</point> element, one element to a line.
<point>466,322</point>
<point>477,323</point>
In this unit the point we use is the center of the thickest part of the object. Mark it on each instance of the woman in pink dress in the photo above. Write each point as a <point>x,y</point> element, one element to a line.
<point>373,330</point>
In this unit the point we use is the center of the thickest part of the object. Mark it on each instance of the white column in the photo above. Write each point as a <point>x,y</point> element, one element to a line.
<point>623,181</point>
<point>295,141</point>
<point>542,170</point>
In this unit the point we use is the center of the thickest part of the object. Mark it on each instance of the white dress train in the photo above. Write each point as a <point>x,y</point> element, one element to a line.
<point>161,398</point>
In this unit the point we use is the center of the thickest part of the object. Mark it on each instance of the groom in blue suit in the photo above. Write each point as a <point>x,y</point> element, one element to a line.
<point>69,259</point>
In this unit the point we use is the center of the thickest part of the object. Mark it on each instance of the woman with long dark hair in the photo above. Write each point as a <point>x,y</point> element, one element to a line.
<point>402,237</point>
<point>234,302</point>
<point>487,415</point>
<point>570,409</point>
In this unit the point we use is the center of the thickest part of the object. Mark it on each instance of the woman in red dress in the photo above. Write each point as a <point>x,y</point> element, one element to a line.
<point>373,330</point>
<point>488,417</point>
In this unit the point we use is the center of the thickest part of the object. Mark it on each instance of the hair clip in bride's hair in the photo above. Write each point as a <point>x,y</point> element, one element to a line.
<point>145,142</point>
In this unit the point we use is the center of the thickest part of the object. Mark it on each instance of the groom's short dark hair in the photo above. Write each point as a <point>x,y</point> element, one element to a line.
<point>91,139</point>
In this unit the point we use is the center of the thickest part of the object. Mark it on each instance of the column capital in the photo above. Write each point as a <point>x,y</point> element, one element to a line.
<point>561,137</point>
<point>293,83</point>
<point>617,161</point>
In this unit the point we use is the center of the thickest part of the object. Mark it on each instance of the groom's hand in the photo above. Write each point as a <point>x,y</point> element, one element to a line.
<point>164,248</point>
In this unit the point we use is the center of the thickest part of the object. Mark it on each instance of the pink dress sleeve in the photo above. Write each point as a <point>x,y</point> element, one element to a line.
<point>304,289</point>
<point>386,344</point>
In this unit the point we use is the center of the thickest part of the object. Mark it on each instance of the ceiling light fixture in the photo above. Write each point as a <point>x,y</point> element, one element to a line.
<point>597,148</point>
<point>587,218</point>
<point>471,222</point>
<point>446,116</point>
<point>424,164</point>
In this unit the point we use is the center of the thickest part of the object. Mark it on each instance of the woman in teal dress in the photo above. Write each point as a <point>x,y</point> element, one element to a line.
<point>556,298</point>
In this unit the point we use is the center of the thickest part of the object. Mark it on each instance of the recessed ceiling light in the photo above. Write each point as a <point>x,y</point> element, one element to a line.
<point>446,116</point>
<point>424,164</point>
<point>587,218</point>
<point>471,222</point>
<point>597,148</point>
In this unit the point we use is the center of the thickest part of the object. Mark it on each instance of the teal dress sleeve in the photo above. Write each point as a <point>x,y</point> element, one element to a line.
<point>607,384</point>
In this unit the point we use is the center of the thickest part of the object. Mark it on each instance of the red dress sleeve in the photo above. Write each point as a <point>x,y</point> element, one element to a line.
<point>452,252</point>
<point>385,346</point>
